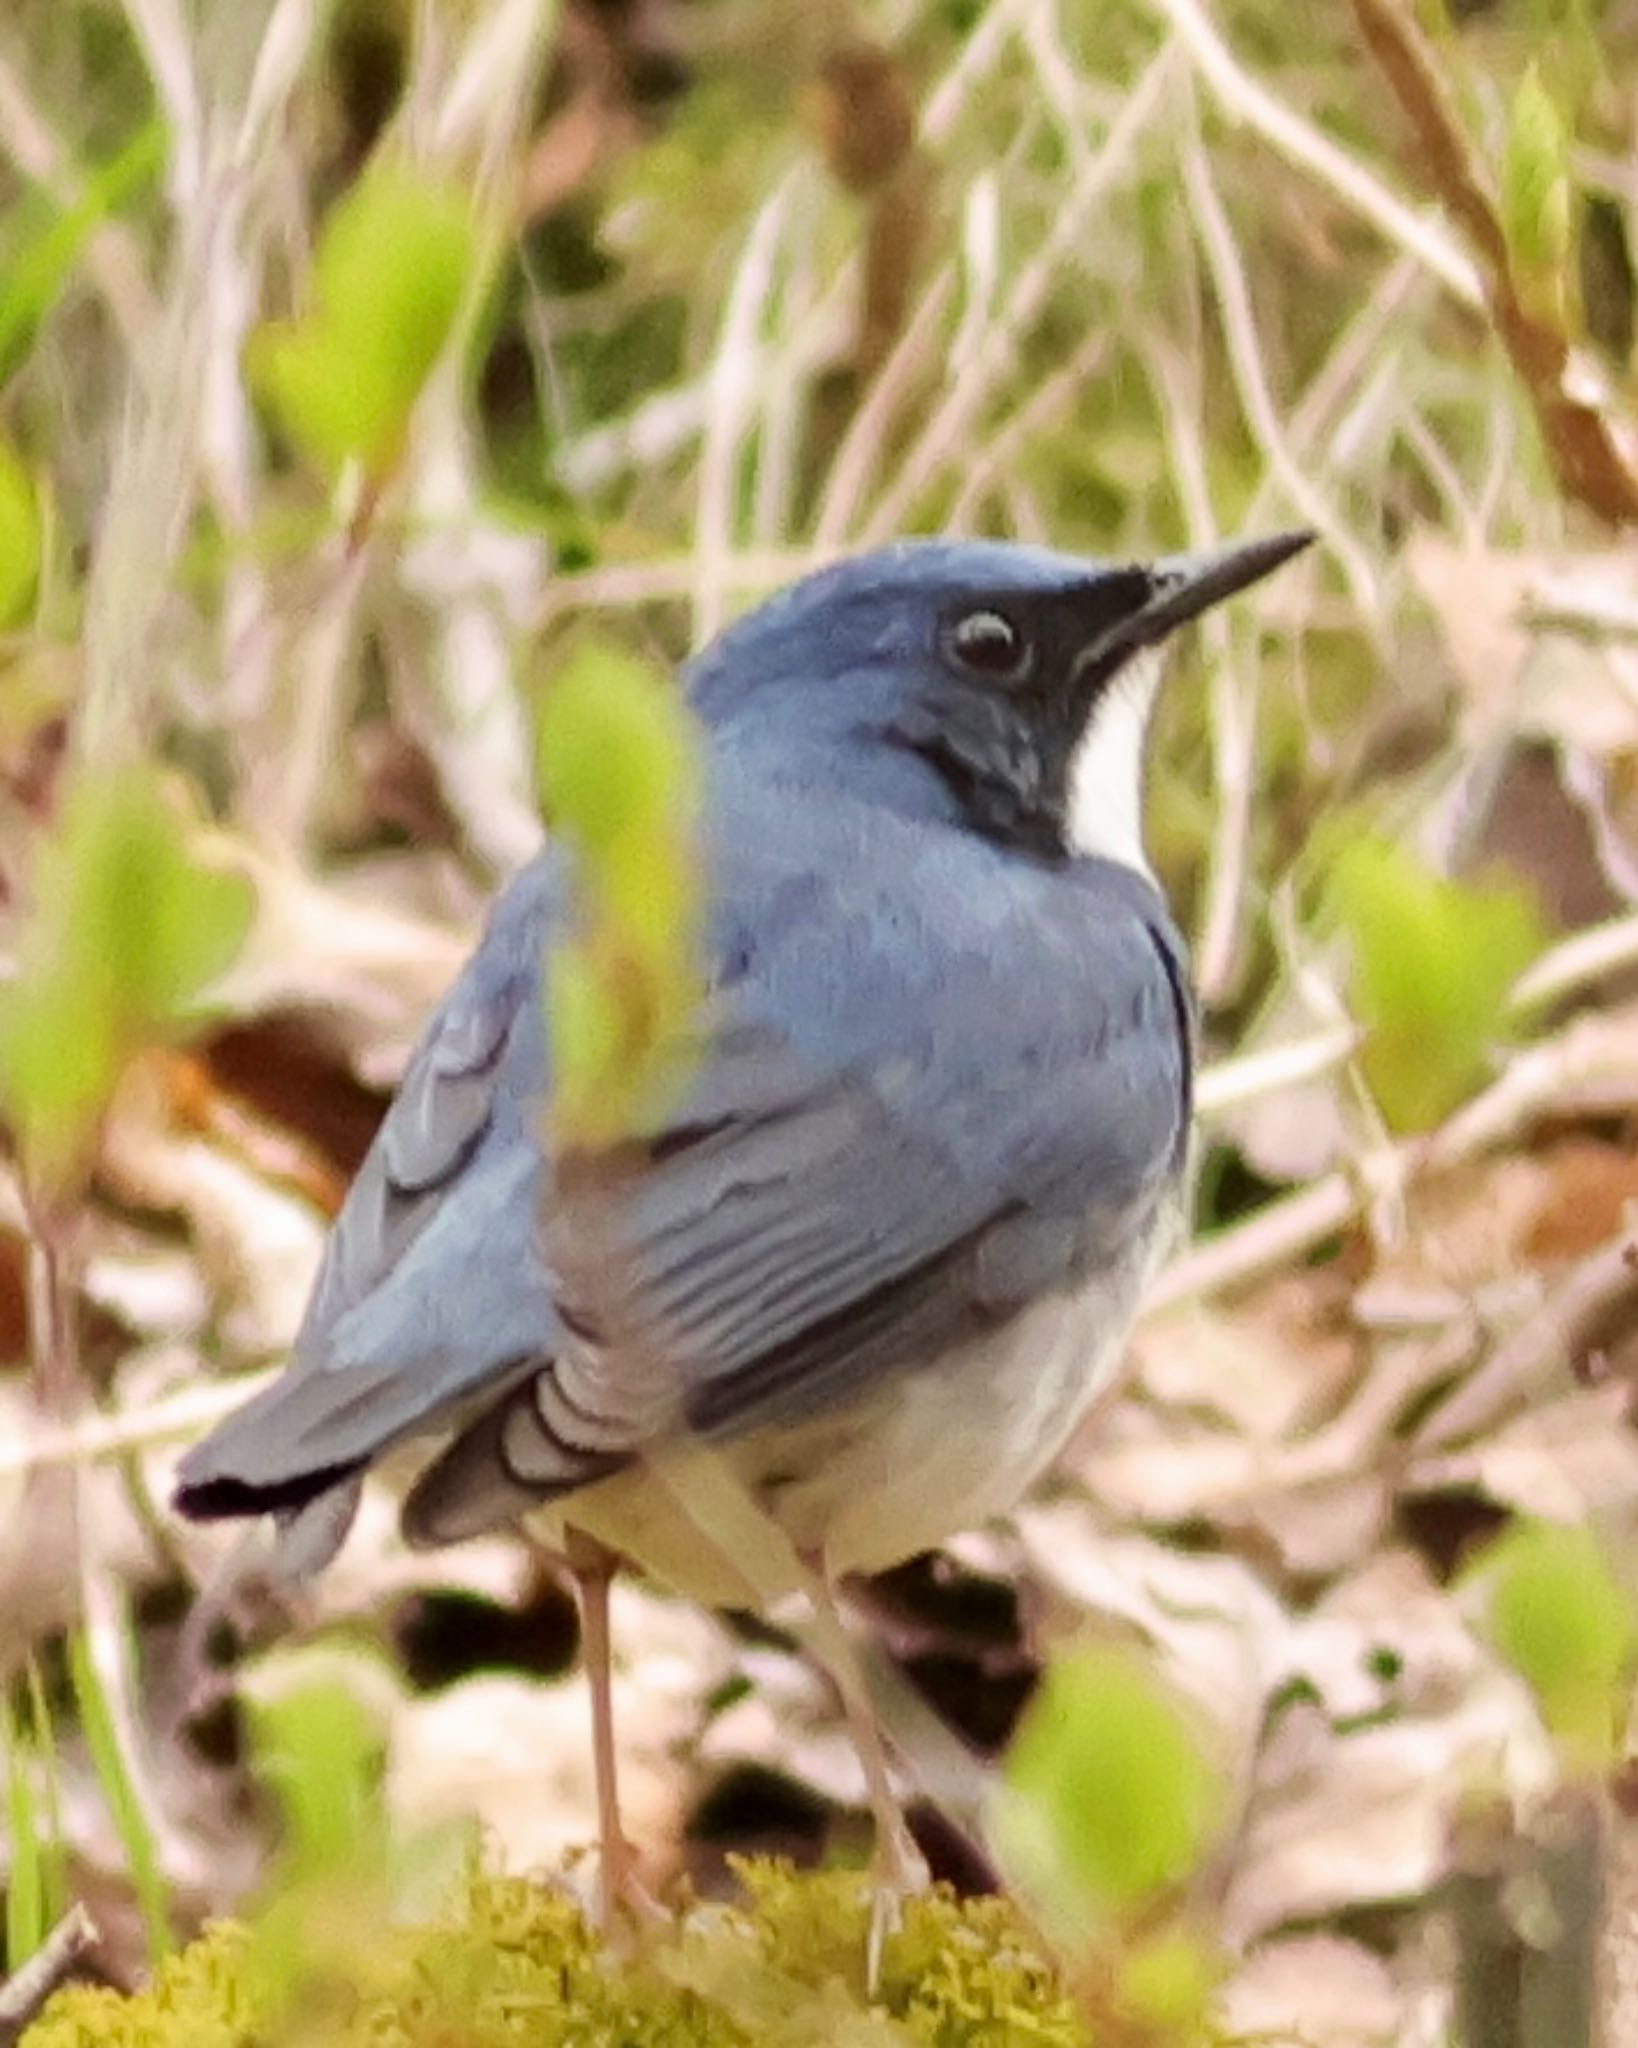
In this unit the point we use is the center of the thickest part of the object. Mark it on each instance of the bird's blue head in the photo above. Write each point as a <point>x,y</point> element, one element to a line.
<point>1006,688</point>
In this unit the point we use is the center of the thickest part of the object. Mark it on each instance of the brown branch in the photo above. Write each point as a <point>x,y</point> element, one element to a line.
<point>1526,1906</point>
<point>1593,452</point>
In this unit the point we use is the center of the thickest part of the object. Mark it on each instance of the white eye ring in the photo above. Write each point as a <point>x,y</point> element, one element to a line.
<point>988,644</point>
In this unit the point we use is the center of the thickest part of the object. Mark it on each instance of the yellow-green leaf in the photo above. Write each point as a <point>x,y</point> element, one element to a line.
<point>392,265</point>
<point>1433,961</point>
<point>318,1747</point>
<point>620,782</point>
<point>44,241</point>
<point>19,540</point>
<point>1558,1613</point>
<point>1536,195</point>
<point>126,931</point>
<point>101,1728</point>
<point>1110,1799</point>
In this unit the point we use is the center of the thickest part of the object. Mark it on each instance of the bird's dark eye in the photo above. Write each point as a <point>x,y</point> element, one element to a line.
<point>988,644</point>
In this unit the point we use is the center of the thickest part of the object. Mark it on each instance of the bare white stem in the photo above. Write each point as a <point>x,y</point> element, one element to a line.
<point>731,407</point>
<point>619,585</point>
<point>1541,1344</point>
<point>1041,407</point>
<point>949,433</point>
<point>1232,723</point>
<point>1587,956</point>
<point>1227,1084</point>
<point>1286,1229</point>
<point>1244,99</point>
<point>859,456</point>
<point>91,1438</point>
<point>1233,294</point>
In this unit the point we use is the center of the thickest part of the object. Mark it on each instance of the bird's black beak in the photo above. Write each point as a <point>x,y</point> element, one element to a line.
<point>1181,587</point>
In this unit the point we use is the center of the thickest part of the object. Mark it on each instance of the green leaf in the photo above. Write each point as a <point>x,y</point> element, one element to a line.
<point>37,1883</point>
<point>1557,1612</point>
<point>1536,194</point>
<point>20,547</point>
<point>126,932</point>
<point>99,1724</point>
<point>393,264</point>
<point>52,1848</point>
<point>1433,961</point>
<point>1110,1801</point>
<point>36,270</point>
<point>319,1748</point>
<point>620,778</point>
<point>26,1920</point>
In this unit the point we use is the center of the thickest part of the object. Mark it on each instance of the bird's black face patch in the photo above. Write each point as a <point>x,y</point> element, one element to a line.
<point>1016,682</point>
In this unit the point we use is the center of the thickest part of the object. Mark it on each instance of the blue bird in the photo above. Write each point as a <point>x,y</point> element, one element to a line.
<point>860,1290</point>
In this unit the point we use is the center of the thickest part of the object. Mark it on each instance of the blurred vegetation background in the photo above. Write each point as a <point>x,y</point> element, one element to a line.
<point>362,361</point>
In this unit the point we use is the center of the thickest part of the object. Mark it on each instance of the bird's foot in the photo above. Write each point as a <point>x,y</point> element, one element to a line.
<point>624,1902</point>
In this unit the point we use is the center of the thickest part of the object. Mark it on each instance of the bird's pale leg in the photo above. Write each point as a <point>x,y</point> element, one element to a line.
<point>592,1568</point>
<point>755,1546</point>
<point>899,1863</point>
<point>900,1866</point>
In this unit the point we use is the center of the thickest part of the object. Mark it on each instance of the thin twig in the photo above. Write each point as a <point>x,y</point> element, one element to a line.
<point>660,429</point>
<point>490,95</point>
<point>863,445</point>
<point>1567,1320</point>
<point>1375,327</point>
<point>784,414</point>
<point>1440,471</point>
<point>94,1437</point>
<point>731,407</point>
<point>1262,413</point>
<point>1244,99</point>
<point>664,579</point>
<point>1591,955</point>
<point>1534,1083</point>
<point>1040,409</point>
<point>1592,1049</point>
<point>26,1991</point>
<point>979,55</point>
<point>281,791</point>
<point>1062,87</point>
<point>948,434</point>
<point>1227,1084</point>
<point>168,51</point>
<point>1279,1233</point>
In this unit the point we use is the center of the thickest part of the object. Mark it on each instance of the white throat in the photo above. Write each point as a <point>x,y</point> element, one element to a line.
<point>1106,768</point>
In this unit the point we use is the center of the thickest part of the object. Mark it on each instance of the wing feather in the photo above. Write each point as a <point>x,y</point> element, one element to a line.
<point>858,1177</point>
<point>423,1304</point>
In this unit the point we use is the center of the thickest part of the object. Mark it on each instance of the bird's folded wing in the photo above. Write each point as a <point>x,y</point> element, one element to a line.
<point>844,1195</point>
<point>432,1291</point>
<point>871,1166</point>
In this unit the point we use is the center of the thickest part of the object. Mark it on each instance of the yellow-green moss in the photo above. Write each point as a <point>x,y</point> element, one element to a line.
<point>515,1964</point>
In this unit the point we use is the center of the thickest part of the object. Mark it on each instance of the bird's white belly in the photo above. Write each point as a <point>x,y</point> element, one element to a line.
<point>951,1447</point>
<point>936,1449</point>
